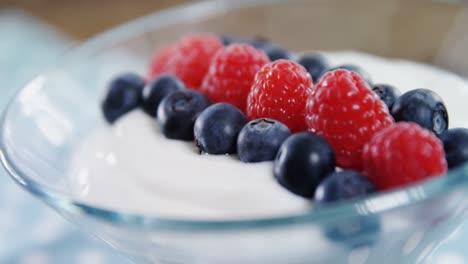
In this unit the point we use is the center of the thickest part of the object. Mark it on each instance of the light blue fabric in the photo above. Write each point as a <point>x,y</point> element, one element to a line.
<point>31,233</point>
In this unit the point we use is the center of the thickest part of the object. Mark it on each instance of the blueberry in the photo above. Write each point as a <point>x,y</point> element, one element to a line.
<point>123,95</point>
<point>226,39</point>
<point>387,93</point>
<point>275,53</point>
<point>315,64</point>
<point>156,90</point>
<point>351,67</point>
<point>260,140</point>
<point>177,113</point>
<point>353,231</point>
<point>424,107</point>
<point>456,146</point>
<point>356,230</point>
<point>343,185</point>
<point>258,42</point>
<point>302,162</point>
<point>217,128</point>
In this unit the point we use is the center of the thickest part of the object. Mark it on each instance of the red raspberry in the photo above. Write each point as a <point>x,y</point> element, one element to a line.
<point>231,74</point>
<point>192,57</point>
<point>343,109</point>
<point>160,61</point>
<point>402,154</point>
<point>280,91</point>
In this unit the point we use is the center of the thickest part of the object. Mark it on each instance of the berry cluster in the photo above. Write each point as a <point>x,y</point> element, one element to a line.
<point>307,117</point>
<point>188,59</point>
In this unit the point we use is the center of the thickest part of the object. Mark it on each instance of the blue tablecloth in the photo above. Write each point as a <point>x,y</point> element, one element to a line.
<point>31,233</point>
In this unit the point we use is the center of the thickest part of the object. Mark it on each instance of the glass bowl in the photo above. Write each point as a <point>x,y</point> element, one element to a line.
<point>49,119</point>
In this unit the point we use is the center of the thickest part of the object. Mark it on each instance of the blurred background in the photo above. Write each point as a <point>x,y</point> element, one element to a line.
<point>84,18</point>
<point>34,33</point>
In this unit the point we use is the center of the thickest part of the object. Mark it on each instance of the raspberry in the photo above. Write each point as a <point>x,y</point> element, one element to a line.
<point>192,57</point>
<point>343,109</point>
<point>280,91</point>
<point>402,154</point>
<point>159,61</point>
<point>231,74</point>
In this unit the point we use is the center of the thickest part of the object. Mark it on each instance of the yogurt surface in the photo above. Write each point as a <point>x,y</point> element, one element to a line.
<point>131,167</point>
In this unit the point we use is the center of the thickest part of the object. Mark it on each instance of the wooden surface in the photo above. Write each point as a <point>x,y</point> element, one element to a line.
<point>83,18</point>
<point>427,31</point>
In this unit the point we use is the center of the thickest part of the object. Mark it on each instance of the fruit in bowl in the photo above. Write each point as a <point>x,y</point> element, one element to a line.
<point>159,200</point>
<point>274,114</point>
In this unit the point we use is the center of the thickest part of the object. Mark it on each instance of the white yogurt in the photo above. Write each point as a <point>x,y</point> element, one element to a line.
<point>132,167</point>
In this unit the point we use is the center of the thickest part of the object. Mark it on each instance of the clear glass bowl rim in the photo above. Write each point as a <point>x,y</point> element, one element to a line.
<point>457,178</point>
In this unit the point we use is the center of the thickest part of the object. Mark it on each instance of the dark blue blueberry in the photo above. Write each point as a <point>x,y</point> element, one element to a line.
<point>315,64</point>
<point>260,140</point>
<point>156,90</point>
<point>302,162</point>
<point>387,93</point>
<point>424,107</point>
<point>275,53</point>
<point>217,128</point>
<point>351,67</point>
<point>341,186</point>
<point>226,39</point>
<point>257,42</point>
<point>352,231</point>
<point>177,113</point>
<point>123,95</point>
<point>456,146</point>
